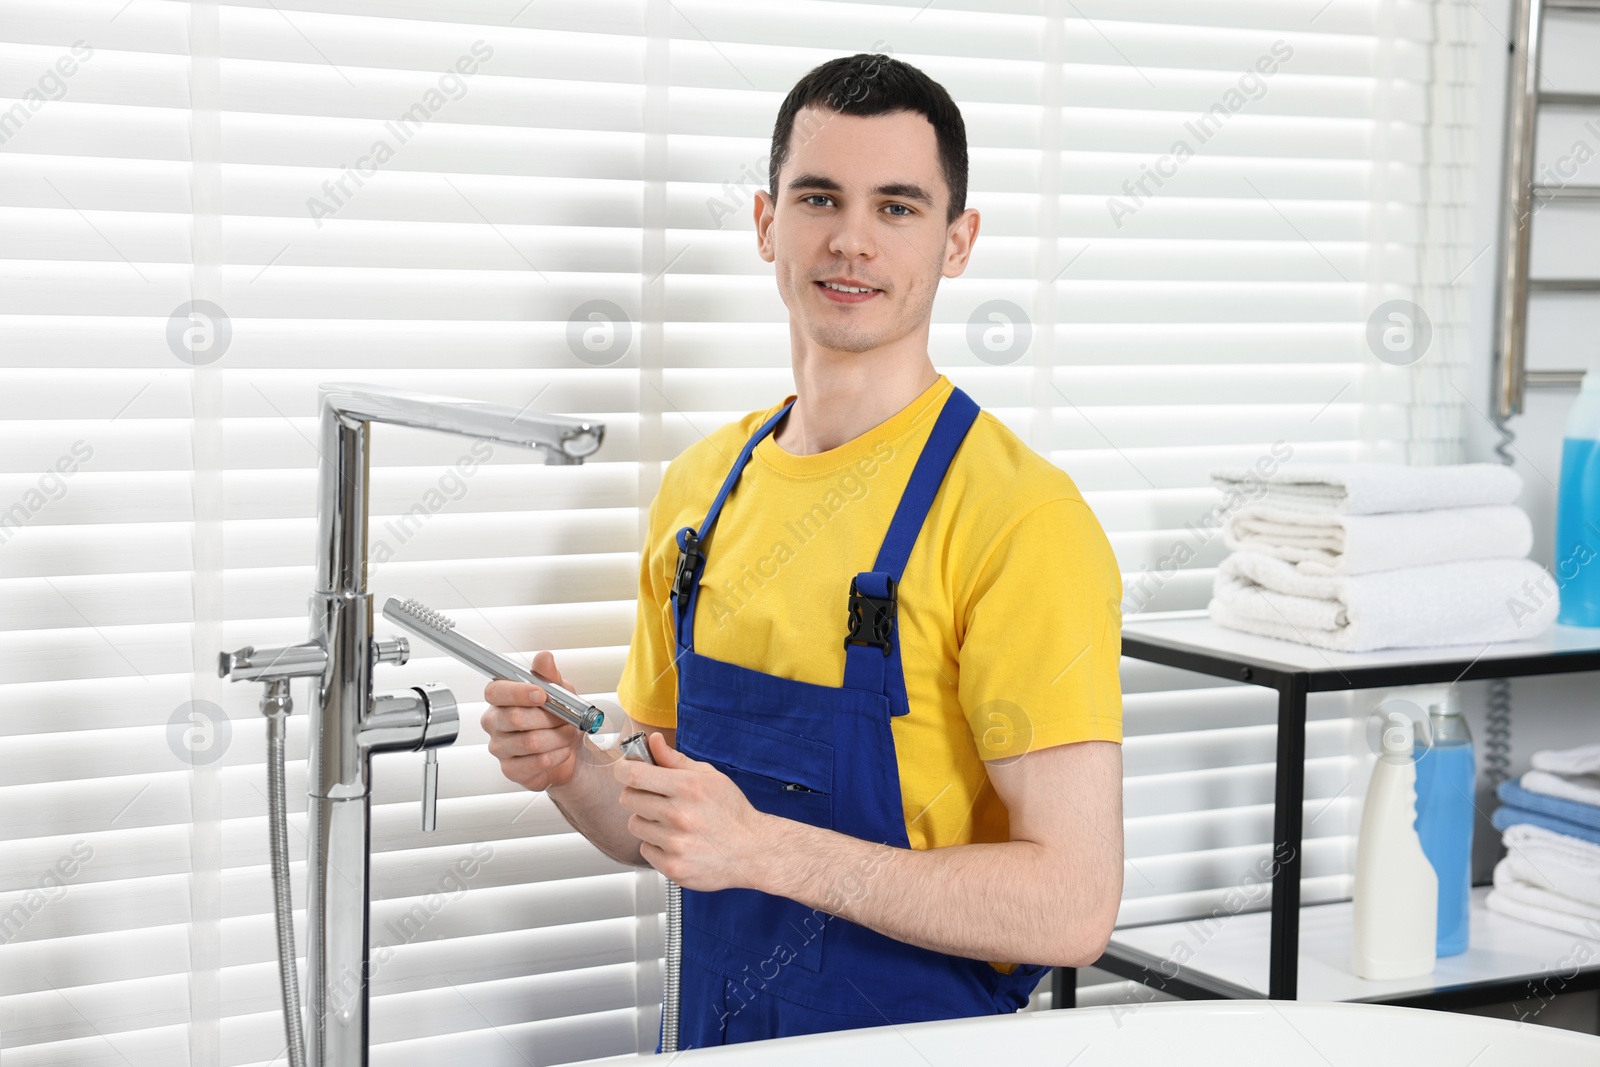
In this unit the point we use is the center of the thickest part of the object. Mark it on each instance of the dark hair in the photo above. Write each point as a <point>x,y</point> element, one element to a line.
<point>871,84</point>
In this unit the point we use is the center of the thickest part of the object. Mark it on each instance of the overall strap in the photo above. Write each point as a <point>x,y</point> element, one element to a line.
<point>872,605</point>
<point>692,542</point>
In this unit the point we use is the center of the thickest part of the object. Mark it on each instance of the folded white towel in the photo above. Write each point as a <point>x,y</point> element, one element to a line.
<point>1329,543</point>
<point>1370,488</point>
<point>1557,863</point>
<point>1518,899</point>
<point>1461,603</point>
<point>1585,759</point>
<point>1584,788</point>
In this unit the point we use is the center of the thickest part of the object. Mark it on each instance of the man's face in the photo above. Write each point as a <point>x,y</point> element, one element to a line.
<point>861,202</point>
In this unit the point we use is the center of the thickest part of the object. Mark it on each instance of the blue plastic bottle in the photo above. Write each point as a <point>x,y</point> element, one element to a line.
<point>1446,776</point>
<point>1577,561</point>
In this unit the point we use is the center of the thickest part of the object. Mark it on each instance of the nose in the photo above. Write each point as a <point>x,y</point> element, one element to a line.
<point>852,235</point>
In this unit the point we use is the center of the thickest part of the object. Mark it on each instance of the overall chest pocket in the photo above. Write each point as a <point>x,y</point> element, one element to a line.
<point>781,774</point>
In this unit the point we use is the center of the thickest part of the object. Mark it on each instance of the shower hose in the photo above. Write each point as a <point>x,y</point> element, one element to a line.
<point>670,988</point>
<point>636,747</point>
<point>276,705</point>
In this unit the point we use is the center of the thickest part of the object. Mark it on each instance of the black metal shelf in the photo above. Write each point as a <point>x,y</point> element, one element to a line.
<point>1190,641</point>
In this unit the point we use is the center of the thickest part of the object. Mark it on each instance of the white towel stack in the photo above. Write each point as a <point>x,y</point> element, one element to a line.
<point>1362,556</point>
<point>1548,878</point>
<point>1570,774</point>
<point>1550,874</point>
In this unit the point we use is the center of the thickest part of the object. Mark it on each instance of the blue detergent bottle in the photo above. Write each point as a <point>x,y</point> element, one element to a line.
<point>1446,776</point>
<point>1577,560</point>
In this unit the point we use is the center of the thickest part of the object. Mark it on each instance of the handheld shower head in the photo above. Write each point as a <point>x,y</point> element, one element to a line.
<point>440,630</point>
<point>425,616</point>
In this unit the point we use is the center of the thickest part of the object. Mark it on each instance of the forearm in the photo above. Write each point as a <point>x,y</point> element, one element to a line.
<point>1011,901</point>
<point>589,803</point>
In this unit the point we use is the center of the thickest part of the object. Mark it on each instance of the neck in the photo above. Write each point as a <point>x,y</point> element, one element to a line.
<point>836,402</point>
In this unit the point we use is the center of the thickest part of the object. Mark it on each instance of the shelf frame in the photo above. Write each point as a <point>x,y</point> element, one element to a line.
<point>1293,684</point>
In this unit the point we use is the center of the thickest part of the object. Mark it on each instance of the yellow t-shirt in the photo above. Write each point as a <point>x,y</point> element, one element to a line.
<point>1009,616</point>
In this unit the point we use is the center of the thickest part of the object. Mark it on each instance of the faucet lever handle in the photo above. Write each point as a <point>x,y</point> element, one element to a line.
<point>430,789</point>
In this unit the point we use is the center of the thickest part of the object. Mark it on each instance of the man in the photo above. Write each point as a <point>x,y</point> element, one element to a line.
<point>877,636</point>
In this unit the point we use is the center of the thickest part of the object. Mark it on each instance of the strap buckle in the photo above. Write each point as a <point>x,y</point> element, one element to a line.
<point>690,557</point>
<point>871,618</point>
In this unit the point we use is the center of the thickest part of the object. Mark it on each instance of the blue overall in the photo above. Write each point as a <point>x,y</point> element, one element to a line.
<point>759,966</point>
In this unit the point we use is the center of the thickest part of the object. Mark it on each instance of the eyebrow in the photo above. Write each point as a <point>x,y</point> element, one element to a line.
<point>903,190</point>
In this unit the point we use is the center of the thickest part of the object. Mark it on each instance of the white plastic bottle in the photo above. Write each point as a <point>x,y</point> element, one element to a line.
<point>1396,894</point>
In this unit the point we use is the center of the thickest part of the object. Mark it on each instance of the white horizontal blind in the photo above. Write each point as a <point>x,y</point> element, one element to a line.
<point>98,816</point>
<point>398,201</point>
<point>230,152</point>
<point>1232,312</point>
<point>188,157</point>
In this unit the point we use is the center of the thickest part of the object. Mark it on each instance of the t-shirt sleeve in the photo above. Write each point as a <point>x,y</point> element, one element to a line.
<point>1043,637</point>
<point>648,689</point>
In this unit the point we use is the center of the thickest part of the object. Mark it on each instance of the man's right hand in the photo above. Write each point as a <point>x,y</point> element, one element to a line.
<point>536,748</point>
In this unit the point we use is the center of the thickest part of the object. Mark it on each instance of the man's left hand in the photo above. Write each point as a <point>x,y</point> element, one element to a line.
<point>693,823</point>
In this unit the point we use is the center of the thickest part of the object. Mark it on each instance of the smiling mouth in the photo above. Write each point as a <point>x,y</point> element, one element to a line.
<point>852,295</point>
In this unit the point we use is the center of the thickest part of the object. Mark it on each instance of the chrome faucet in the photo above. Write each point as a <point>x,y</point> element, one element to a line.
<point>348,721</point>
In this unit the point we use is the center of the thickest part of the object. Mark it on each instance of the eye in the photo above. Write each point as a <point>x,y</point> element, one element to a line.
<point>815,196</point>
<point>908,211</point>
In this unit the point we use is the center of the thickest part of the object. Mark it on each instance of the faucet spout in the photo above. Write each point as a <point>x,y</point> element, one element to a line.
<point>562,438</point>
<point>347,412</point>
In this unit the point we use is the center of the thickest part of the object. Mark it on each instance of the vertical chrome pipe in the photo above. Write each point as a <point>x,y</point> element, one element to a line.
<point>341,496</point>
<point>339,805</point>
<point>1522,118</point>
